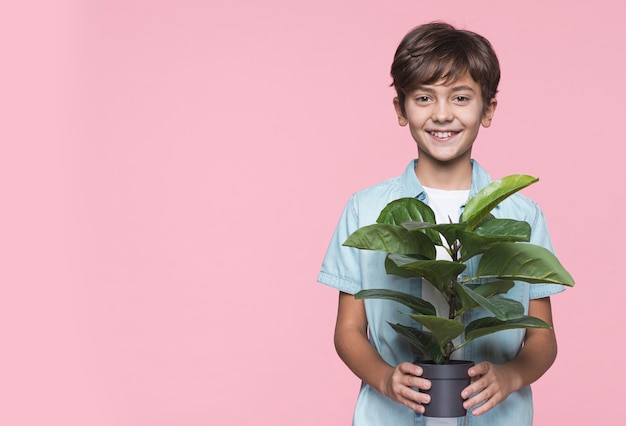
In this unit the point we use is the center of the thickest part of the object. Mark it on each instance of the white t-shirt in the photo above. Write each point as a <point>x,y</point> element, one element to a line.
<point>446,204</point>
<point>447,207</point>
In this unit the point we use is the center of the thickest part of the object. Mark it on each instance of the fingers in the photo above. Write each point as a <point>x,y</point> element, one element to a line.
<point>477,372</point>
<point>414,400</point>
<point>489,387</point>
<point>488,405</point>
<point>411,376</point>
<point>481,392</point>
<point>408,368</point>
<point>479,369</point>
<point>402,385</point>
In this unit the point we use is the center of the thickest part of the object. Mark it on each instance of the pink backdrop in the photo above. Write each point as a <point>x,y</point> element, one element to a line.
<point>171,173</point>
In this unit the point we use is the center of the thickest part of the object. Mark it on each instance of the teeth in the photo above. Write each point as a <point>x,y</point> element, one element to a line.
<point>441,135</point>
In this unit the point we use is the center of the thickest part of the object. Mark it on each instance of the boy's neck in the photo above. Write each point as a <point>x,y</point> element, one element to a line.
<point>450,177</point>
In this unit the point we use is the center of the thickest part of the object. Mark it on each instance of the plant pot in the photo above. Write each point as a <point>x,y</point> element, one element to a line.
<point>448,380</point>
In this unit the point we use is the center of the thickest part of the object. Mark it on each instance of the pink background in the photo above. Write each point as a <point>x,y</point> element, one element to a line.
<point>171,173</point>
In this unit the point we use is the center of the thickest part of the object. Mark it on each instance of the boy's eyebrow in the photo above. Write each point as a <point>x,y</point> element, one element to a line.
<point>424,89</point>
<point>460,88</point>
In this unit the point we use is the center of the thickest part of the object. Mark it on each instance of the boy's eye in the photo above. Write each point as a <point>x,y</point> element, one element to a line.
<point>461,99</point>
<point>422,99</point>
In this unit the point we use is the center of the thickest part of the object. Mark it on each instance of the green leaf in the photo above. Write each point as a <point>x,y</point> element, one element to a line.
<point>406,210</point>
<point>492,288</point>
<point>412,302</point>
<point>409,210</point>
<point>424,342</point>
<point>486,219</point>
<point>417,226</point>
<point>524,262</point>
<point>444,330</point>
<point>438,272</point>
<point>491,233</point>
<point>392,269</point>
<point>517,230</point>
<point>391,239</point>
<point>448,230</point>
<point>490,196</point>
<point>503,308</point>
<point>483,326</point>
<point>488,289</point>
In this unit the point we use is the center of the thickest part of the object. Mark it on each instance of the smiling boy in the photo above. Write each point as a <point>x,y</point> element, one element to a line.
<point>444,119</point>
<point>446,82</point>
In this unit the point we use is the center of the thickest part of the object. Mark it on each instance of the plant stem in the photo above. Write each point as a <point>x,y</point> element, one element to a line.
<point>451,315</point>
<point>452,303</point>
<point>448,350</point>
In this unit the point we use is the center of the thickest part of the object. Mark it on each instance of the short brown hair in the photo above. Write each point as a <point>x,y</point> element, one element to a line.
<point>438,51</point>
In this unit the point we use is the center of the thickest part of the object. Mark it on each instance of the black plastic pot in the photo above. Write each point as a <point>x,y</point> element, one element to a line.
<point>448,380</point>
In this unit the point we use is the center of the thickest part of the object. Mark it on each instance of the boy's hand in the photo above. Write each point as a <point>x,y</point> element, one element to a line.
<point>399,384</point>
<point>491,384</point>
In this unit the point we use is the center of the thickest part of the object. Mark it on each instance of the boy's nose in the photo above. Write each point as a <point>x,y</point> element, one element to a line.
<point>442,112</point>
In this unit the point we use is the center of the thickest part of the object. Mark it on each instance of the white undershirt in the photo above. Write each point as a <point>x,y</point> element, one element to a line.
<point>446,204</point>
<point>447,207</point>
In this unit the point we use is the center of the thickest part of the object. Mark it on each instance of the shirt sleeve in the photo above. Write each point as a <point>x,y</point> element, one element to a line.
<point>541,237</point>
<point>341,265</point>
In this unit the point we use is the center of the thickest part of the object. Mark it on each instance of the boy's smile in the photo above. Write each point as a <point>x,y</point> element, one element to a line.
<point>444,119</point>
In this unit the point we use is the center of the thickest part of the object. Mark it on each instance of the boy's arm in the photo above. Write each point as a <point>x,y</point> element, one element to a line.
<point>494,383</point>
<point>363,359</point>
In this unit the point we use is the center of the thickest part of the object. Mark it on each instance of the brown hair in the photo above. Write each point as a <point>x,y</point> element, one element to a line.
<point>438,51</point>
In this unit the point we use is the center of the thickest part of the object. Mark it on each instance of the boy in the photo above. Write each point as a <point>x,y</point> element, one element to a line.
<point>446,82</point>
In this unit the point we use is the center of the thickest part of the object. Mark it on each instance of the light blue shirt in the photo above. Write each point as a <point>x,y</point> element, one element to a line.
<point>350,270</point>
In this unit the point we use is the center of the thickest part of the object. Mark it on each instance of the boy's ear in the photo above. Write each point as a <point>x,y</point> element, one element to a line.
<point>401,118</point>
<point>488,115</point>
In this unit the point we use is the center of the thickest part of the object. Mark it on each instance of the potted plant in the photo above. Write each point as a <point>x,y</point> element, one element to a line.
<point>407,231</point>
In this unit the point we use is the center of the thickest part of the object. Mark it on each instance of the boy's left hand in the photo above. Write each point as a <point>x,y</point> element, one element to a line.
<point>491,384</point>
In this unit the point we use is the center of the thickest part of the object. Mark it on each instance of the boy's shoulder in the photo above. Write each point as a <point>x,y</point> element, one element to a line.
<point>390,189</point>
<point>367,203</point>
<point>389,185</point>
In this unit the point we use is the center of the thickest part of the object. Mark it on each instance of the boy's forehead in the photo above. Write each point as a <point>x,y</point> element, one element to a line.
<point>464,81</point>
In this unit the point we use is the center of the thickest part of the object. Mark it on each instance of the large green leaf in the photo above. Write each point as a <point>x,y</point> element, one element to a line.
<point>484,326</point>
<point>524,262</point>
<point>423,341</point>
<point>490,233</point>
<point>444,330</point>
<point>490,196</point>
<point>409,210</point>
<point>391,239</point>
<point>503,308</point>
<point>439,273</point>
<point>418,305</point>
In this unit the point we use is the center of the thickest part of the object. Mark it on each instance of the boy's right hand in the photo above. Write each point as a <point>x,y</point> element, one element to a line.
<point>355,349</point>
<point>400,383</point>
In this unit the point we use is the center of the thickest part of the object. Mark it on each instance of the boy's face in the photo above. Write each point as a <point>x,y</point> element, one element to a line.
<point>444,119</point>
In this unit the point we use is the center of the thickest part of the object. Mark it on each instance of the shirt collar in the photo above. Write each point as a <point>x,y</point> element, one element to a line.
<point>412,187</point>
